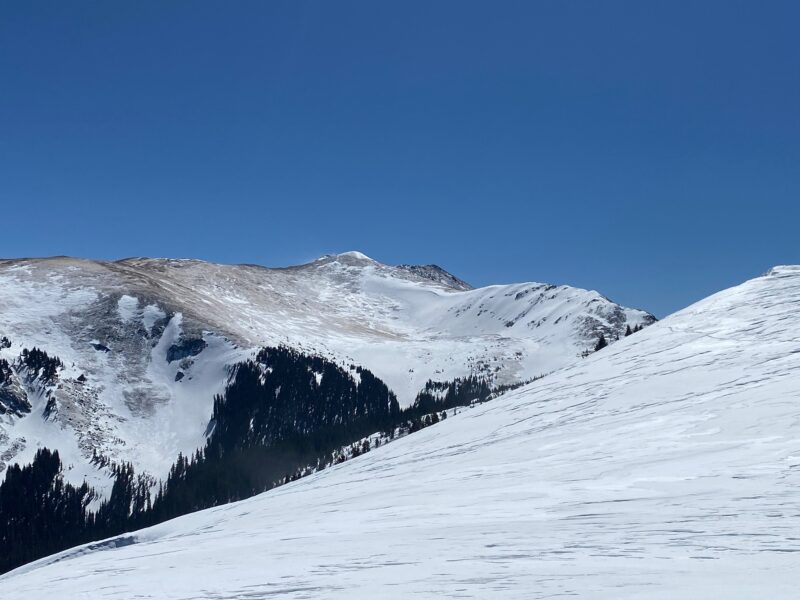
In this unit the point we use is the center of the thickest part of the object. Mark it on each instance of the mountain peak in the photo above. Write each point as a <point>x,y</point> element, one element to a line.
<point>351,257</point>
<point>355,254</point>
<point>431,272</point>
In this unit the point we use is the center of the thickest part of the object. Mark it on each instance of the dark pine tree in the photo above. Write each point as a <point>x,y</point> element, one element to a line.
<point>601,343</point>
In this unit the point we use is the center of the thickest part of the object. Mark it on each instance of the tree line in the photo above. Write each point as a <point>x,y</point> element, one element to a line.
<point>284,414</point>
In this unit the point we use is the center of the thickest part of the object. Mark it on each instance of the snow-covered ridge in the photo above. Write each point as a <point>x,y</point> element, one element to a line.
<point>780,270</point>
<point>665,466</point>
<point>153,340</point>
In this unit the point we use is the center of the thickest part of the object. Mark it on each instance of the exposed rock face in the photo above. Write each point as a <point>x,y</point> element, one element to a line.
<point>437,274</point>
<point>13,398</point>
<point>185,348</point>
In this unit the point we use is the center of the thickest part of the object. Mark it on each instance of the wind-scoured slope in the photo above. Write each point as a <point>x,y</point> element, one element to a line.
<point>667,465</point>
<point>147,343</point>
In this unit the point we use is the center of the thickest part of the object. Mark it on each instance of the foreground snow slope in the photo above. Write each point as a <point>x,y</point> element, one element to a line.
<point>665,466</point>
<point>154,338</point>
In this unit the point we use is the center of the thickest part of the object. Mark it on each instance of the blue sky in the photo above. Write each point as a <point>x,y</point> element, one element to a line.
<point>650,150</point>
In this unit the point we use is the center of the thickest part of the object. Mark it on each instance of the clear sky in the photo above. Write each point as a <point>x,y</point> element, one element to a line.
<point>650,150</point>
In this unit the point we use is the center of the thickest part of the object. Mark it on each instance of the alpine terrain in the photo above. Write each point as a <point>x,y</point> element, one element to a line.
<point>119,362</point>
<point>664,466</point>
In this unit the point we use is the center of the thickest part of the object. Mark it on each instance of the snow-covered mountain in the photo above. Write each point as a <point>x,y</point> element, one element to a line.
<point>665,466</point>
<point>145,344</point>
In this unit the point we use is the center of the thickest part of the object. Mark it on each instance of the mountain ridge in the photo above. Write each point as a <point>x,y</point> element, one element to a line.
<point>147,343</point>
<point>664,466</point>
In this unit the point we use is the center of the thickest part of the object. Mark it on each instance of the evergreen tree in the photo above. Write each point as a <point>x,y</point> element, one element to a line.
<point>601,343</point>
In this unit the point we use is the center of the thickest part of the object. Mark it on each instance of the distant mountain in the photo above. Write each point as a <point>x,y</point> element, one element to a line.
<point>133,351</point>
<point>664,466</point>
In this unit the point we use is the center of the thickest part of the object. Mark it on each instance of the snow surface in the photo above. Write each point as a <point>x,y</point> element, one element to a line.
<point>405,325</point>
<point>665,466</point>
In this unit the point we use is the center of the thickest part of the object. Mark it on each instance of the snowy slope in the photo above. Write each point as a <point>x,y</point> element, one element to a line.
<point>665,466</point>
<point>154,339</point>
